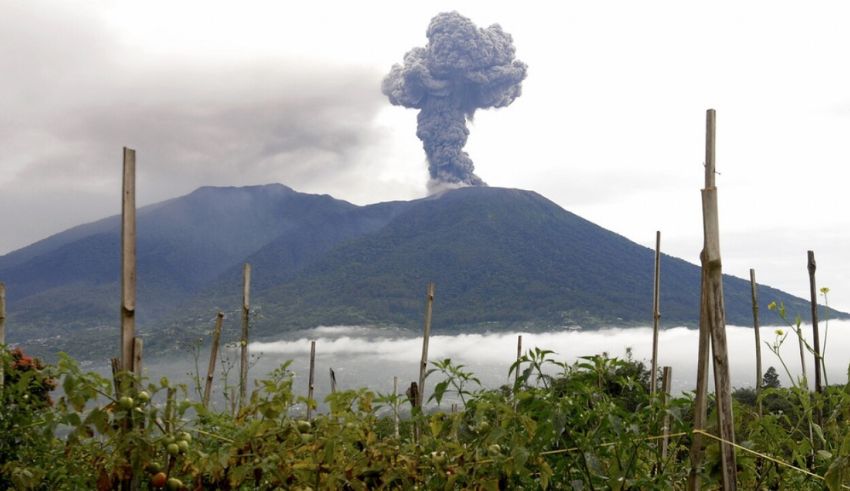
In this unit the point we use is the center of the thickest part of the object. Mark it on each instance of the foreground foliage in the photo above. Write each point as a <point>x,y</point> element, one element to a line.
<point>587,425</point>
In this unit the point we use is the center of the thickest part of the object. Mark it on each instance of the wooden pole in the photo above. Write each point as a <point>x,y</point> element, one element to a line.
<point>243,343</point>
<point>756,327</point>
<point>813,291</point>
<point>2,316</point>
<point>138,345</point>
<point>311,379</point>
<point>701,396</point>
<point>219,319</point>
<point>395,405</point>
<point>656,313</point>
<point>518,356</point>
<point>128,260</point>
<point>333,380</point>
<point>2,325</point>
<point>423,364</point>
<point>666,378</point>
<point>716,310</point>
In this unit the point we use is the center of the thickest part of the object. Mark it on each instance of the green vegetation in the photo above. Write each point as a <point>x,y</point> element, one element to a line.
<point>587,425</point>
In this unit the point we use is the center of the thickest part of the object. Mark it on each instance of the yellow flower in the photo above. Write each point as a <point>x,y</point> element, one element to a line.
<point>771,306</point>
<point>780,332</point>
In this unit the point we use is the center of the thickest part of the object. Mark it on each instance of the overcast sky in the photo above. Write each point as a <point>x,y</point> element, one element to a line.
<point>610,124</point>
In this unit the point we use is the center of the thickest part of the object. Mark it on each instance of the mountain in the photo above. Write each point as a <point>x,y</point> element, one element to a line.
<point>500,258</point>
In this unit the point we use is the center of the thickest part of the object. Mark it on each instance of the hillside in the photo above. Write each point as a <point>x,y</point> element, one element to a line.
<point>500,258</point>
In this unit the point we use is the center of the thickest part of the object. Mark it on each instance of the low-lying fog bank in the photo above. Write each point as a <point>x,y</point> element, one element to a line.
<point>371,357</point>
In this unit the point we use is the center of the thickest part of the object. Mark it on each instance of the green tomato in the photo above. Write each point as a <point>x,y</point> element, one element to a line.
<point>173,449</point>
<point>304,426</point>
<point>126,403</point>
<point>185,435</point>
<point>184,445</point>
<point>174,484</point>
<point>144,397</point>
<point>494,449</point>
<point>153,467</point>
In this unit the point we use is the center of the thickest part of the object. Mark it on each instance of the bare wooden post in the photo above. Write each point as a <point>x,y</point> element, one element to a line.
<point>219,318</point>
<point>170,409</point>
<point>311,379</point>
<point>656,313</point>
<point>2,316</point>
<point>815,331</point>
<point>243,343</point>
<point>2,325</point>
<point>423,364</point>
<point>716,310</point>
<point>713,328</point>
<point>115,363</point>
<point>756,327</point>
<point>518,356</point>
<point>395,405</point>
<point>138,344</point>
<point>128,260</point>
<point>666,378</point>
<point>333,380</point>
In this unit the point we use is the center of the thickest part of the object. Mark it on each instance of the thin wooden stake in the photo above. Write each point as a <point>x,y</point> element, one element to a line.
<point>128,260</point>
<point>716,311</point>
<point>656,313</point>
<point>243,343</point>
<point>701,396</point>
<point>756,327</point>
<point>666,378</point>
<point>395,405</point>
<point>2,325</point>
<point>2,315</point>
<point>219,319</point>
<point>713,329</point>
<point>311,380</point>
<point>518,356</point>
<point>813,290</point>
<point>115,363</point>
<point>138,345</point>
<point>423,364</point>
<point>333,380</point>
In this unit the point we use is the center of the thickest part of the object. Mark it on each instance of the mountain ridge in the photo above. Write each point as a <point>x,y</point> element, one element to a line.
<point>499,257</point>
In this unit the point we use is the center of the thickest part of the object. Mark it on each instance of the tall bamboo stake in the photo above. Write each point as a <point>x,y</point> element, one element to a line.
<point>243,343</point>
<point>713,319</point>
<point>666,379</point>
<point>311,379</point>
<point>756,327</point>
<point>138,344</point>
<point>2,325</point>
<point>813,291</point>
<point>395,406</point>
<point>656,313</point>
<point>701,396</point>
<point>423,364</point>
<point>333,380</point>
<point>128,260</point>
<point>2,315</point>
<point>518,356</point>
<point>717,312</point>
<point>219,318</point>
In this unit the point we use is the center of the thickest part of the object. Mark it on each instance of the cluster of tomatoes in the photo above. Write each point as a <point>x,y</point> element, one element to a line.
<point>38,391</point>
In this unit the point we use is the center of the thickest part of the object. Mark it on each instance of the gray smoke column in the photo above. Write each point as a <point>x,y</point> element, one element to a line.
<point>461,69</point>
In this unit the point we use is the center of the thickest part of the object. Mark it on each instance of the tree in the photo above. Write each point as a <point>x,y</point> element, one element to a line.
<point>771,379</point>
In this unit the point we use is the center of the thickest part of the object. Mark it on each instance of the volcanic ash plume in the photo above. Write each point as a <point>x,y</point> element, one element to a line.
<point>461,69</point>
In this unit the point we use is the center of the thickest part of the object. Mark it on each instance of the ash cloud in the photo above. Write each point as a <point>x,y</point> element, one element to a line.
<point>74,94</point>
<point>463,68</point>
